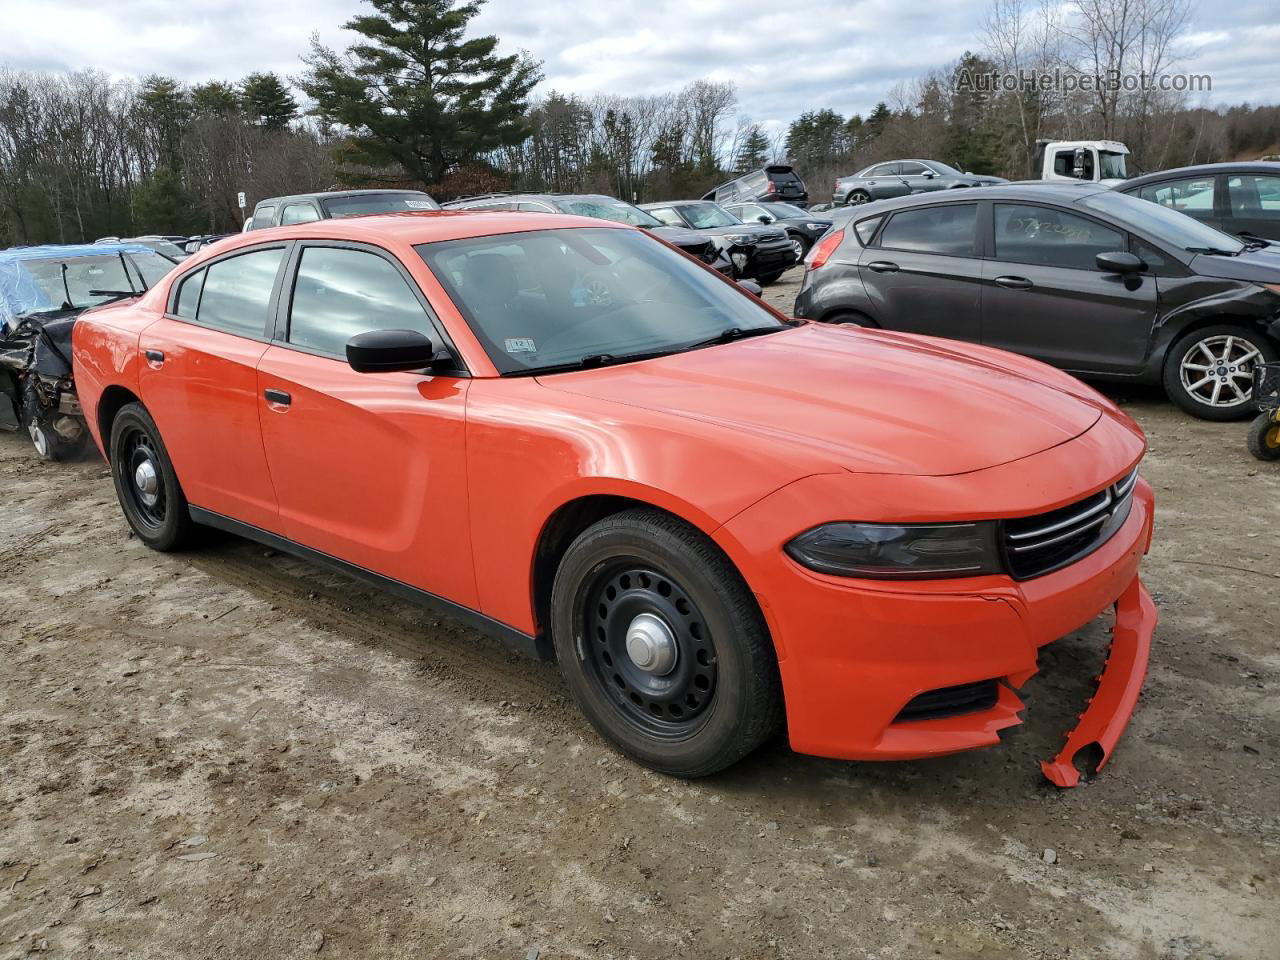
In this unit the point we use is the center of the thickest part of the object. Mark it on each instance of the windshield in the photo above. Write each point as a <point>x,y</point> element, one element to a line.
<point>785,211</point>
<point>1161,223</point>
<point>75,283</point>
<point>551,298</point>
<point>615,210</point>
<point>704,215</point>
<point>1111,165</point>
<point>361,203</point>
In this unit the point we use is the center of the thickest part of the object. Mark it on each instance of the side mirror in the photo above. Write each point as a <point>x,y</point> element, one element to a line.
<point>928,174</point>
<point>751,287</point>
<point>383,351</point>
<point>765,218</point>
<point>1118,262</point>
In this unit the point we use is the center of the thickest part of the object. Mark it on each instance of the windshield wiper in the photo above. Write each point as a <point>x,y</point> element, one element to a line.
<point>1213,251</point>
<point>734,333</point>
<point>590,362</point>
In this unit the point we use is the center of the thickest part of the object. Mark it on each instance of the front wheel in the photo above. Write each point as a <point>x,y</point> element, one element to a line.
<point>57,438</point>
<point>1209,372</point>
<point>662,645</point>
<point>1264,437</point>
<point>799,246</point>
<point>145,482</point>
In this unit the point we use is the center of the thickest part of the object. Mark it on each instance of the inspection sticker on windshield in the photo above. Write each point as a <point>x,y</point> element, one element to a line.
<point>521,345</point>
<point>418,205</point>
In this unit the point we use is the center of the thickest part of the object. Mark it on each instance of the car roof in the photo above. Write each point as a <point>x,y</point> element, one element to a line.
<point>56,251</point>
<point>330,194</point>
<point>1025,190</point>
<point>416,227</point>
<point>1205,169</point>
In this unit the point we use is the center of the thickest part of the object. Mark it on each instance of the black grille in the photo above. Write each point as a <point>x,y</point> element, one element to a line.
<point>1038,545</point>
<point>949,701</point>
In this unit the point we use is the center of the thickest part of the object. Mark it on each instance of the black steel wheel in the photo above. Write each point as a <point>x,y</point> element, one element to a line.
<point>662,644</point>
<point>145,482</point>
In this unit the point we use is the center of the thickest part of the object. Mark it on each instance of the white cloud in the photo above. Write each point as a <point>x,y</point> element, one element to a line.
<point>784,57</point>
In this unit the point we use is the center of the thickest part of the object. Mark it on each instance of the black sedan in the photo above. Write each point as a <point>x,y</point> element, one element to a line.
<point>757,252</point>
<point>898,178</point>
<point>1094,281</point>
<point>1239,198</point>
<point>803,228</point>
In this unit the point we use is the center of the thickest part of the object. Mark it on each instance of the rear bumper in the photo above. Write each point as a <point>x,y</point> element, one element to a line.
<point>854,653</point>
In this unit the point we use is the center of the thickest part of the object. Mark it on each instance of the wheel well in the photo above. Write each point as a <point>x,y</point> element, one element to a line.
<point>833,315</point>
<point>1229,320</point>
<point>109,404</point>
<point>560,530</point>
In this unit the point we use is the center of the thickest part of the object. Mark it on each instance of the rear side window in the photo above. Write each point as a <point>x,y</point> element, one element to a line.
<point>866,229</point>
<point>1187,195</point>
<point>949,230</point>
<point>299,213</point>
<point>237,292</point>
<point>1051,237</point>
<point>262,217</point>
<point>189,295</point>
<point>341,292</point>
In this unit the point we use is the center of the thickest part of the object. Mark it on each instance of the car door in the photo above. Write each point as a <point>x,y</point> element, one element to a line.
<point>199,381</point>
<point>368,467</point>
<point>1043,295</point>
<point>1253,205</point>
<point>917,177</point>
<point>924,275</point>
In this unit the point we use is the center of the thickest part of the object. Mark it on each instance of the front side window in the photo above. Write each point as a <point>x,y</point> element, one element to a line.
<point>1052,237</point>
<point>1188,195</point>
<point>668,216</point>
<point>911,169</point>
<point>547,299</point>
<point>299,213</point>
<point>237,292</point>
<point>1171,228</point>
<point>1255,196</point>
<point>948,230</point>
<point>1064,163</point>
<point>340,292</point>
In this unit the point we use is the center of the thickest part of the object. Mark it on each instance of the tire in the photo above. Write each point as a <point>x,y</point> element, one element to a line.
<point>49,443</point>
<point>799,245</point>
<point>1264,437</point>
<point>138,454</point>
<point>1188,365</point>
<point>769,278</point>
<point>857,198</point>
<point>710,692</point>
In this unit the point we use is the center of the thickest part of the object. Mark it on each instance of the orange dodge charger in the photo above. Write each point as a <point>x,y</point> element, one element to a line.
<point>569,434</point>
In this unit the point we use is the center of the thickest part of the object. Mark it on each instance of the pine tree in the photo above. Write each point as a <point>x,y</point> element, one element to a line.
<point>418,92</point>
<point>166,108</point>
<point>754,152</point>
<point>214,99</point>
<point>267,100</point>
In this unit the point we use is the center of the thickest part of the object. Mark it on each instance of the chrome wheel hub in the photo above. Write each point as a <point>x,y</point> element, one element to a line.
<point>147,482</point>
<point>651,645</point>
<point>1218,371</point>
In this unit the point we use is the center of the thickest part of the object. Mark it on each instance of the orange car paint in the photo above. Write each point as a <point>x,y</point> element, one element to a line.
<point>446,484</point>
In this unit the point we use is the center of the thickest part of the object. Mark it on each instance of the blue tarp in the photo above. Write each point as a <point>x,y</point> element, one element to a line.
<point>20,294</point>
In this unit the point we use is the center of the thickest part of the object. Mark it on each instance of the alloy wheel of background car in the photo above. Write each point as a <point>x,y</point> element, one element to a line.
<point>858,197</point>
<point>798,247</point>
<point>662,644</point>
<point>145,482</point>
<point>48,443</point>
<point>1210,372</point>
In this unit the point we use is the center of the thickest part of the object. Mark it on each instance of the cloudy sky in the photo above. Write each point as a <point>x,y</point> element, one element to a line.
<point>785,57</point>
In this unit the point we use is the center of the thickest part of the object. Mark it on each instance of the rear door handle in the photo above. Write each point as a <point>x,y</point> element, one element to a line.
<point>155,358</point>
<point>277,397</point>
<point>1015,283</point>
<point>883,266</point>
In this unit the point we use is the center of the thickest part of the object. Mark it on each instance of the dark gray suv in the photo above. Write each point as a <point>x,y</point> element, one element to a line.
<point>1077,275</point>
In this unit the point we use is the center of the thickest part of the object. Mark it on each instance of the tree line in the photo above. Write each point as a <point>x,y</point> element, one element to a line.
<point>418,101</point>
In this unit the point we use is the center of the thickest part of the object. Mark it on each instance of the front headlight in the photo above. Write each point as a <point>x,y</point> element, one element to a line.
<point>899,552</point>
<point>738,237</point>
<point>817,226</point>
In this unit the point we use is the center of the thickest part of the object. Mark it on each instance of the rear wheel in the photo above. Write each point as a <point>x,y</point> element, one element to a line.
<point>857,197</point>
<point>849,318</point>
<point>1264,437</point>
<point>1209,372</point>
<point>145,482</point>
<point>662,645</point>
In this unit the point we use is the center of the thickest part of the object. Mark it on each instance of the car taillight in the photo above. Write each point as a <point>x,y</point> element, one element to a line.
<point>823,250</point>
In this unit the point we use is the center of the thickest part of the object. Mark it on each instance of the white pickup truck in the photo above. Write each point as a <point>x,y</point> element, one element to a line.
<point>1099,161</point>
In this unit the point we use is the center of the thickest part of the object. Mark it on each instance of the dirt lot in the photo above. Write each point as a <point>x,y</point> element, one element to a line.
<point>229,753</point>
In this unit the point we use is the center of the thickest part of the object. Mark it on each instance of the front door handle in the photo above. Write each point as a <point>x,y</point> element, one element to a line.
<point>883,266</point>
<point>155,358</point>
<point>276,397</point>
<point>1014,283</point>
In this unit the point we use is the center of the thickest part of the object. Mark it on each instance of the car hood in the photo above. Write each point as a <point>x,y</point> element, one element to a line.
<point>678,235</point>
<point>1259,266</point>
<point>868,403</point>
<point>985,179</point>
<point>751,230</point>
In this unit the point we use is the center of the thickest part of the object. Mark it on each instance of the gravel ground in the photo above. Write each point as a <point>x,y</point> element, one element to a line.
<point>229,753</point>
